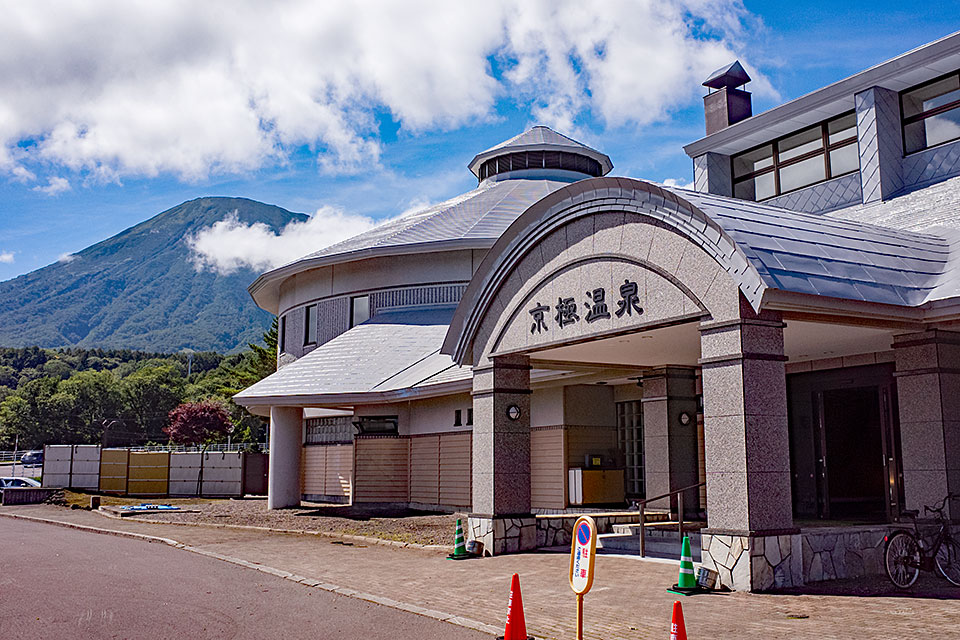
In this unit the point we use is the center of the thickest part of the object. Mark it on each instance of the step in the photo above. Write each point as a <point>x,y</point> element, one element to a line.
<point>655,546</point>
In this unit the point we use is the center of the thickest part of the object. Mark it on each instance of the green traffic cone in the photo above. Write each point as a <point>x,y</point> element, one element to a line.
<point>459,546</point>
<point>687,582</point>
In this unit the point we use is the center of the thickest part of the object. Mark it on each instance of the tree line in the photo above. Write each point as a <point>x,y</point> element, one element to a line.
<point>120,397</point>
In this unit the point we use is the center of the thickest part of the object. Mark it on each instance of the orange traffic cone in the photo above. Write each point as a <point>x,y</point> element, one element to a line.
<point>516,625</point>
<point>677,630</point>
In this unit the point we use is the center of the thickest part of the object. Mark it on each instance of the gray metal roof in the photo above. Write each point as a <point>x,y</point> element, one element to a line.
<point>479,214</point>
<point>806,253</point>
<point>540,138</point>
<point>389,353</point>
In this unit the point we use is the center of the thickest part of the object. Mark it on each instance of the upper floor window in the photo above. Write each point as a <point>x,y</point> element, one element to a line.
<point>821,152</point>
<point>931,113</point>
<point>310,326</point>
<point>359,310</point>
<point>283,334</point>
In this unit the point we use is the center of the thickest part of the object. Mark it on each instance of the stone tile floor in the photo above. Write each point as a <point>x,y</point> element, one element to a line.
<point>628,600</point>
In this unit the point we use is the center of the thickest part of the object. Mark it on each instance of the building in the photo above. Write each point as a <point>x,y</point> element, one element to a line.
<point>787,333</point>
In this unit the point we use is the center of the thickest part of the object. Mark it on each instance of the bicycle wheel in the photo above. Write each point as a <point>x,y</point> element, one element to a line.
<point>901,559</point>
<point>948,560</point>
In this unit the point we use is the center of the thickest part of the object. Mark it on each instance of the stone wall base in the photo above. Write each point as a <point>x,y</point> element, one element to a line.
<point>760,563</point>
<point>500,535</point>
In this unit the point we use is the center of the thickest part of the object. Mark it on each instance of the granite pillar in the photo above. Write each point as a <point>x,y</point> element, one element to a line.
<point>746,440</point>
<point>669,442</point>
<point>286,443</point>
<point>928,392</point>
<point>501,457</point>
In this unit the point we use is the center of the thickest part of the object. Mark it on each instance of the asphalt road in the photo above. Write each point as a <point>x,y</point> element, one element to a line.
<point>63,583</point>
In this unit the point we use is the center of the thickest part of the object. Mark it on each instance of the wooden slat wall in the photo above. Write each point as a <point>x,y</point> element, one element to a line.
<point>548,473</point>
<point>381,469</point>
<point>425,469</point>
<point>313,470</point>
<point>456,459</point>
<point>327,469</point>
<point>339,470</point>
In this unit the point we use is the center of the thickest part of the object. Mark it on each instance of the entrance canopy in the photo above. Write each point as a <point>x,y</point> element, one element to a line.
<point>678,249</point>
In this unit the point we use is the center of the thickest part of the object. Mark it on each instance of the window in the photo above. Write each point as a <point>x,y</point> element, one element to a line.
<point>457,418</point>
<point>310,326</point>
<point>470,417</point>
<point>335,429</point>
<point>283,334</point>
<point>359,310</point>
<point>931,113</point>
<point>540,160</point>
<point>630,443</point>
<point>798,160</point>
<point>377,425</point>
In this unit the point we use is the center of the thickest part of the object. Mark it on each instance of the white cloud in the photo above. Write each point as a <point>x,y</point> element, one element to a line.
<point>66,257</point>
<point>6,257</point>
<point>137,87</point>
<point>678,182</point>
<point>22,175</point>
<point>55,186</point>
<point>229,244</point>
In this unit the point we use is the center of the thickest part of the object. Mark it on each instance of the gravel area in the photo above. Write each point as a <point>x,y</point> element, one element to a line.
<point>378,522</point>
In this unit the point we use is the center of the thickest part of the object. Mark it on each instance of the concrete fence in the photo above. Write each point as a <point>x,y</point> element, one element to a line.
<point>154,473</point>
<point>74,466</point>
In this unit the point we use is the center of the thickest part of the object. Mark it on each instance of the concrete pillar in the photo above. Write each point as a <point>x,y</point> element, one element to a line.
<point>881,143</point>
<point>750,540</point>
<point>928,393</point>
<point>669,443</point>
<point>286,443</point>
<point>501,457</point>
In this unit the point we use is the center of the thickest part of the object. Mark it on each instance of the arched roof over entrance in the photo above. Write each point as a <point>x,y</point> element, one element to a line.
<point>760,247</point>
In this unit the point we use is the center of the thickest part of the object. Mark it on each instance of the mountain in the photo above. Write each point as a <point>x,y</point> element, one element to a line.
<point>139,289</point>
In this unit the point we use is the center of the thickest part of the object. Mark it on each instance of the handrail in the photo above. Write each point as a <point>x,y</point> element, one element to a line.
<point>642,505</point>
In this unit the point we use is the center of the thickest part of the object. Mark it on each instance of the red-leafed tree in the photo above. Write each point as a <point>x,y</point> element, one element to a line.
<point>197,422</point>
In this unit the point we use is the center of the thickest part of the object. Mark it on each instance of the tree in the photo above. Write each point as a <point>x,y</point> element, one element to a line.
<point>198,422</point>
<point>150,393</point>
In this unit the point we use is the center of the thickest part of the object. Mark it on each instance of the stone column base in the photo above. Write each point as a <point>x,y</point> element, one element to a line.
<point>503,534</point>
<point>750,562</point>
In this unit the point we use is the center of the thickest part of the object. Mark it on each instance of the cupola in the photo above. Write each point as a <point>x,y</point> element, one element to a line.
<point>540,151</point>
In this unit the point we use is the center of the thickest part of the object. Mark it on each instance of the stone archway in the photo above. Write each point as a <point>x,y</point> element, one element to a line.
<point>678,266</point>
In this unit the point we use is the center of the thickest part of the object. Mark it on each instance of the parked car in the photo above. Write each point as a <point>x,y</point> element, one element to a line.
<point>32,458</point>
<point>17,482</point>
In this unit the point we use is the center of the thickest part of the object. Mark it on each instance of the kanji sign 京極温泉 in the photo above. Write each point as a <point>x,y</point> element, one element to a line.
<point>595,305</point>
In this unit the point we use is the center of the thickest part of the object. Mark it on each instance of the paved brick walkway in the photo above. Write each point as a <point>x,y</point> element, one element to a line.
<point>628,599</point>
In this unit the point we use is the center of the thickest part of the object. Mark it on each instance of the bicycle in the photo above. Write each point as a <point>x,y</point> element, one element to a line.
<point>907,554</point>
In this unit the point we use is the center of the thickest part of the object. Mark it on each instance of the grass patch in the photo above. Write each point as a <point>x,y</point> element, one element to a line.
<point>82,499</point>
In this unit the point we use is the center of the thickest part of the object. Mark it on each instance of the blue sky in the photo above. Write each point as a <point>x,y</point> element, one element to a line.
<point>112,112</point>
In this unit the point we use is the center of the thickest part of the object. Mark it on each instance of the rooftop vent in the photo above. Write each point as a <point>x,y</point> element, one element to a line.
<point>726,104</point>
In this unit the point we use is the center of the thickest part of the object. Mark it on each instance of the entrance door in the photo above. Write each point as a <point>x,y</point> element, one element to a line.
<point>856,449</point>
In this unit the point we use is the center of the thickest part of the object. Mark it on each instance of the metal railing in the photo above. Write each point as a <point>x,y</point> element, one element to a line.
<point>179,448</point>
<point>641,506</point>
<point>11,456</point>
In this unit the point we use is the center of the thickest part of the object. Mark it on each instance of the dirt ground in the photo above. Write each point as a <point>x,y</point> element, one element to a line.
<point>389,524</point>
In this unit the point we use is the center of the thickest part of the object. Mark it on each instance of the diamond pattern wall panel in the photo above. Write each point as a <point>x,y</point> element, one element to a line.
<point>881,149</point>
<point>931,165</point>
<point>711,174</point>
<point>820,198</point>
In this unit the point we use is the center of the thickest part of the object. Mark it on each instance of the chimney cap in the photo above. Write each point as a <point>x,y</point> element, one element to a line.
<point>732,75</point>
